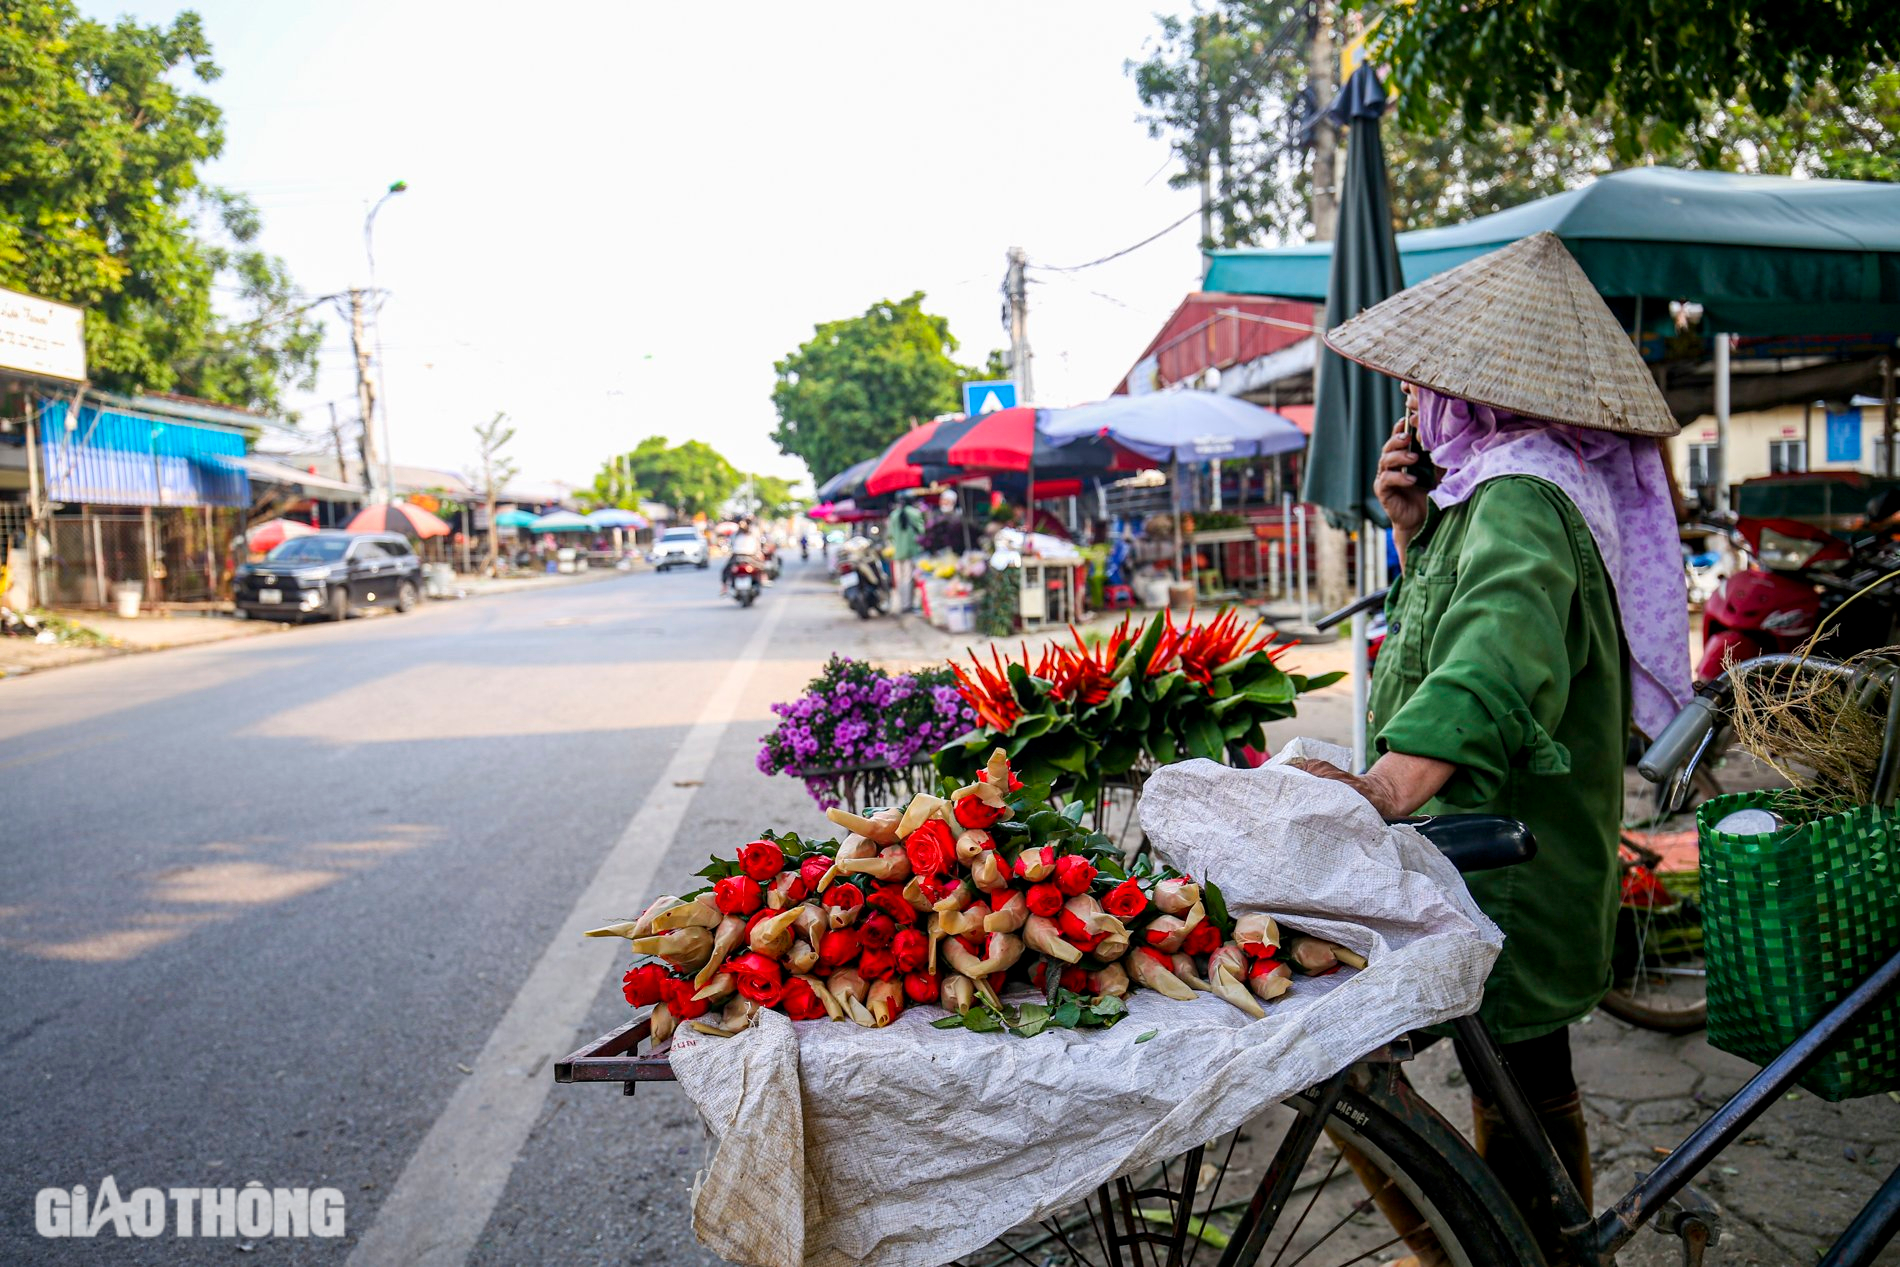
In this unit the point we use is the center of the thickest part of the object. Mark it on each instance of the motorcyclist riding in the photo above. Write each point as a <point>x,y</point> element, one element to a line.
<point>744,545</point>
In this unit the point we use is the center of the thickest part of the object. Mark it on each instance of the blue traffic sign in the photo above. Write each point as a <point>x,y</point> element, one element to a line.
<point>987,398</point>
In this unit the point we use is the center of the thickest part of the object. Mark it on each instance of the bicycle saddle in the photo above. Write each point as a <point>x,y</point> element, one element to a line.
<point>1477,842</point>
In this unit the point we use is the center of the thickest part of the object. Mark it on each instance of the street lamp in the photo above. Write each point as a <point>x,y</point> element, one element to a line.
<point>369,252</point>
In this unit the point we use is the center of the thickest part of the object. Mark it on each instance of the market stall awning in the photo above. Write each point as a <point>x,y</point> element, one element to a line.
<point>560,521</point>
<point>1761,254</point>
<point>268,471</point>
<point>1190,426</point>
<point>847,483</point>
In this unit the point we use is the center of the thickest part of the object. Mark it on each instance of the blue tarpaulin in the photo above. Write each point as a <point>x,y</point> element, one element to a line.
<point>113,457</point>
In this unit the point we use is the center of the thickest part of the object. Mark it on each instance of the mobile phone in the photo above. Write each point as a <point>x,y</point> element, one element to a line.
<point>1422,470</point>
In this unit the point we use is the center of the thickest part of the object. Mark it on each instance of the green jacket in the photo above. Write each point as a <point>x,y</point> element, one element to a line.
<point>1504,657</point>
<point>905,525</point>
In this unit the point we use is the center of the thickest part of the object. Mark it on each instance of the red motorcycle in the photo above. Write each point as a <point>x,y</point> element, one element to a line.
<point>1815,541</point>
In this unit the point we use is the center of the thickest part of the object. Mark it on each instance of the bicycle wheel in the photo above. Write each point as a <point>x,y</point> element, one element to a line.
<point>1331,1220</point>
<point>1660,979</point>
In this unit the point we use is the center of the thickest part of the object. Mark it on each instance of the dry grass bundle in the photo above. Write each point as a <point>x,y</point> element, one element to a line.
<point>1813,730</point>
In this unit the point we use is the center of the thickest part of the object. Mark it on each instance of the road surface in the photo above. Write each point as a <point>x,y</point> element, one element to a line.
<point>301,910</point>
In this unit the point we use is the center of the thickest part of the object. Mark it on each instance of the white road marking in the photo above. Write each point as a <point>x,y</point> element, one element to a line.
<point>444,1196</point>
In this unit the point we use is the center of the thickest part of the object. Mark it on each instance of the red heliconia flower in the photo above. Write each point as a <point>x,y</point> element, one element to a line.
<point>644,986</point>
<point>800,1002</point>
<point>989,694</point>
<point>1198,650</point>
<point>738,895</point>
<point>762,860</point>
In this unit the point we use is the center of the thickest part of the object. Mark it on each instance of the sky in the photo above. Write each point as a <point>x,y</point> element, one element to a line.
<point>619,217</point>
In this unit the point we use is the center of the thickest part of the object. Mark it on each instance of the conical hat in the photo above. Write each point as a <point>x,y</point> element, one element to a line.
<point>1520,329</point>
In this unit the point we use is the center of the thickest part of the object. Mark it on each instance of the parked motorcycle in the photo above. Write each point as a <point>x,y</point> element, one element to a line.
<point>1815,541</point>
<point>748,578</point>
<point>861,578</point>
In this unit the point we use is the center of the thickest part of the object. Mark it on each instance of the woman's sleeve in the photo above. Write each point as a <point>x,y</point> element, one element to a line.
<point>1497,663</point>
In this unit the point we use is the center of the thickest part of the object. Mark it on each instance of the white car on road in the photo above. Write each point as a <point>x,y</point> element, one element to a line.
<point>677,547</point>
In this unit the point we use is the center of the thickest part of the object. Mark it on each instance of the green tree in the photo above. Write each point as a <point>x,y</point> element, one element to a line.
<point>691,477</point>
<point>101,203</point>
<point>1654,68</point>
<point>858,383</point>
<point>492,473</point>
<point>771,497</point>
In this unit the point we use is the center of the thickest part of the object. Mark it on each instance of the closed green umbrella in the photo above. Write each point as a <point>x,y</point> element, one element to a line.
<point>1354,407</point>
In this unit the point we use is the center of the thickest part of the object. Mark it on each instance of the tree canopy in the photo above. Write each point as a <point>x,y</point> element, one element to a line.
<point>691,477</point>
<point>102,205</point>
<point>1656,70</point>
<point>770,496</point>
<point>858,383</point>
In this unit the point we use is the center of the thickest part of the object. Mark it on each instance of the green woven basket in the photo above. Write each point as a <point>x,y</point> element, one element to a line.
<point>1794,920</point>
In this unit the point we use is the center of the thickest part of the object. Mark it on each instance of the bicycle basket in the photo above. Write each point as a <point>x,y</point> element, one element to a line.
<point>1794,920</point>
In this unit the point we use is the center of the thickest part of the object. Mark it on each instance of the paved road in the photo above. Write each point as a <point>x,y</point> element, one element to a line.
<point>300,910</point>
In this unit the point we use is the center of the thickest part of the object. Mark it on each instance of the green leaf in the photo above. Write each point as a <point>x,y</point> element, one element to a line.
<point>1034,1019</point>
<point>1108,1008</point>
<point>1321,681</point>
<point>1068,1014</point>
<point>1142,1038</point>
<point>1073,811</point>
<point>981,1020</point>
<point>948,1022</point>
<point>1216,904</point>
<point>1204,738</point>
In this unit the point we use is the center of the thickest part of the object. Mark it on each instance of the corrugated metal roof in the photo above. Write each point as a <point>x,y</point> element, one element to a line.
<point>111,457</point>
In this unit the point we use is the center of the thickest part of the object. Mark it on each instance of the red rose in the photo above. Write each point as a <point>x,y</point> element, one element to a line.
<point>644,986</point>
<point>791,887</point>
<point>875,965</point>
<point>846,897</point>
<point>756,977</point>
<point>677,993</point>
<point>1259,949</point>
<point>1076,978</point>
<point>1015,784</point>
<point>973,943</point>
<point>1166,961</point>
<point>1125,901</point>
<point>1044,899</point>
<point>998,899</point>
<point>971,812</point>
<point>922,987</point>
<point>1076,933</point>
<point>890,899</point>
<point>837,948</point>
<point>877,929</point>
<point>910,948</point>
<point>753,919</point>
<point>932,850</point>
<point>936,890</point>
<point>1046,856</point>
<point>761,860</point>
<point>1204,940</point>
<point>1074,875</point>
<point>812,868</point>
<point>800,1002</point>
<point>737,895</point>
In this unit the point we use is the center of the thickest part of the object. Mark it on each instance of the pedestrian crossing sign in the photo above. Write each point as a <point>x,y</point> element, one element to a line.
<point>987,398</point>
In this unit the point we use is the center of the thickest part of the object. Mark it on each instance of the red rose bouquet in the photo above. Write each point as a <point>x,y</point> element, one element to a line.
<point>919,906</point>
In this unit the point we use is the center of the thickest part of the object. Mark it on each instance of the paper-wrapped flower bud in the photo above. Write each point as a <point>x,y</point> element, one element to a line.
<point>762,860</point>
<point>1269,980</point>
<point>811,922</point>
<point>722,986</point>
<point>726,939</point>
<point>684,948</point>
<point>1165,933</point>
<point>1313,957</point>
<point>787,890</point>
<point>1111,947</point>
<point>950,896</point>
<point>1036,864</point>
<point>801,957</point>
<point>887,1001</point>
<point>968,920</point>
<point>702,912</point>
<point>738,895</point>
<point>1041,935</point>
<point>1009,911</point>
<point>1257,935</point>
<point>1233,957</point>
<point>845,983</point>
<point>1155,970</point>
<point>1001,952</point>
<point>1184,968</point>
<point>842,904</point>
<point>772,935</point>
<point>958,956</point>
<point>662,1026</point>
<point>734,1019</point>
<point>801,1002</point>
<point>880,828</point>
<point>922,987</point>
<point>957,994</point>
<point>1175,897</point>
<point>1109,980</point>
<point>923,808</point>
<point>974,812</point>
<point>1074,874</point>
<point>1075,931</point>
<point>1221,979</point>
<point>914,895</point>
<point>892,865</point>
<point>911,949</point>
<point>971,844</point>
<point>644,925</point>
<point>833,1008</point>
<point>989,873</point>
<point>838,948</point>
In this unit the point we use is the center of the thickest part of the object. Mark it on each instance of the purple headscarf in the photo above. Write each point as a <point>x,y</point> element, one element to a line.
<point>1618,485</point>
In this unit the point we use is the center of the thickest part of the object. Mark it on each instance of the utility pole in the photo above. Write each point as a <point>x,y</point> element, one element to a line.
<point>1016,291</point>
<point>365,391</point>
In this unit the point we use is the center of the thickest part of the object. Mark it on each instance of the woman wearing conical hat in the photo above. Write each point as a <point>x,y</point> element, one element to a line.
<point>1540,610</point>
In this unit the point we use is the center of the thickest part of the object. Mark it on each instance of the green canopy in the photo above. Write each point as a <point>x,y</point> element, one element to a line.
<point>1761,254</point>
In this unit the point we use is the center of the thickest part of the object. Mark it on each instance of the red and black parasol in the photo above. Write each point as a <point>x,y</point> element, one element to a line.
<point>1009,440</point>
<point>412,521</point>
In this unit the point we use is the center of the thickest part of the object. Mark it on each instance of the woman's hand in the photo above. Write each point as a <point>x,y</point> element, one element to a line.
<point>1396,785</point>
<point>1396,486</point>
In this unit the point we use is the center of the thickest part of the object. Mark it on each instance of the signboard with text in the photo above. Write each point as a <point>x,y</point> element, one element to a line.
<point>40,337</point>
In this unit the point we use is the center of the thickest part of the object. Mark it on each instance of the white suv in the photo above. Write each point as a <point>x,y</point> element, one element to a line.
<point>678,546</point>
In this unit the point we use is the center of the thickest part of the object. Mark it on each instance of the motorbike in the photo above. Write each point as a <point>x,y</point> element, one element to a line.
<point>1814,542</point>
<point>804,548</point>
<point>773,566</point>
<point>861,578</point>
<point>747,580</point>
